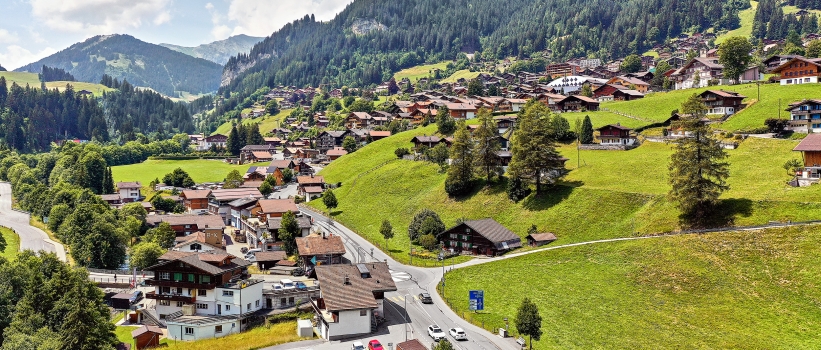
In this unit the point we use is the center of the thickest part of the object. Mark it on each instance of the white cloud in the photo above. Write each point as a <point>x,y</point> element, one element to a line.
<point>16,56</point>
<point>99,16</point>
<point>261,18</point>
<point>7,37</point>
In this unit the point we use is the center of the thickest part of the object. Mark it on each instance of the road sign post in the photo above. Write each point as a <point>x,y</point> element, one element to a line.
<point>477,300</point>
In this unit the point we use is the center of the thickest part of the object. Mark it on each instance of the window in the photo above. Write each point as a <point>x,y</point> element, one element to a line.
<point>227,307</point>
<point>257,305</point>
<point>165,275</point>
<point>165,290</point>
<point>189,330</point>
<point>202,306</point>
<point>177,276</point>
<point>179,304</point>
<point>227,293</point>
<point>192,277</point>
<point>248,307</point>
<point>165,302</point>
<point>454,236</point>
<point>205,279</point>
<point>363,312</point>
<point>291,300</point>
<point>218,329</point>
<point>202,292</point>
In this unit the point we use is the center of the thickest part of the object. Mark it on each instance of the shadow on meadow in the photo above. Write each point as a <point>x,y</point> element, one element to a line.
<point>722,214</point>
<point>550,197</point>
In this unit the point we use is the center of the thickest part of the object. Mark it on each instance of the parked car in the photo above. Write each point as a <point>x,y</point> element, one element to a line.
<point>435,332</point>
<point>252,252</point>
<point>298,272</point>
<point>137,296</point>
<point>458,334</point>
<point>357,346</point>
<point>425,298</point>
<point>375,345</point>
<point>287,284</point>
<point>243,250</point>
<point>301,285</point>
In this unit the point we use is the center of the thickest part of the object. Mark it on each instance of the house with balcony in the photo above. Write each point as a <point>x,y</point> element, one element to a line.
<point>218,200</point>
<point>328,140</point>
<point>351,299</point>
<point>202,295</point>
<point>799,70</point>
<point>616,135</point>
<point>311,186</point>
<point>129,191</point>
<point>315,250</point>
<point>241,208</point>
<point>481,237</point>
<point>810,148</point>
<point>187,224</point>
<point>805,116</point>
<point>722,103</point>
<point>195,201</point>
<point>698,72</point>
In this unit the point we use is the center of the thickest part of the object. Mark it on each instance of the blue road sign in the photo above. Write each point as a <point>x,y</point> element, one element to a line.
<point>477,300</point>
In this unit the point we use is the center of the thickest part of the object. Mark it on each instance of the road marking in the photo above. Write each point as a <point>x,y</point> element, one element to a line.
<point>399,276</point>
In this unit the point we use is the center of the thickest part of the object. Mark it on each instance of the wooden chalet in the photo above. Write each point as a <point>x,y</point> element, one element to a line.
<point>428,141</point>
<point>805,116</point>
<point>616,135</point>
<point>481,237</point>
<point>195,200</point>
<point>540,239</point>
<point>328,140</point>
<point>720,102</point>
<point>629,82</point>
<point>799,70</point>
<point>627,95</point>
<point>358,120</point>
<point>577,103</point>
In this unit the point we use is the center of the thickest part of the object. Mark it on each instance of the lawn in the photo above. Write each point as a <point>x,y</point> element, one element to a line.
<point>23,78</point>
<point>464,73</point>
<point>417,72</point>
<point>266,123</point>
<point>201,170</point>
<point>10,244</point>
<point>602,118</point>
<point>738,290</point>
<point>774,98</point>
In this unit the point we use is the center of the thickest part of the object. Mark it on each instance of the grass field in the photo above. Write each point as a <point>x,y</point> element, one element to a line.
<point>201,170</point>
<point>266,122</point>
<point>10,244</point>
<point>602,118</point>
<point>417,72</point>
<point>23,78</point>
<point>739,290</point>
<point>464,73</point>
<point>657,106</point>
<point>746,17</point>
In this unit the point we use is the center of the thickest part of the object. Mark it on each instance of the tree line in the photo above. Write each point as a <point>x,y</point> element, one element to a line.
<point>54,74</point>
<point>770,22</point>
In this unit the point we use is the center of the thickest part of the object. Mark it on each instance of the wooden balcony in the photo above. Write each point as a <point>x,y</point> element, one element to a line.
<point>174,284</point>
<point>171,297</point>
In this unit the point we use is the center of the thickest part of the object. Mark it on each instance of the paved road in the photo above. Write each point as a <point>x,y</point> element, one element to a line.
<point>31,237</point>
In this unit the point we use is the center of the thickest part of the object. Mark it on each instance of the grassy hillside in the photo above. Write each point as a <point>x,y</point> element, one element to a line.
<point>657,106</point>
<point>9,243</point>
<point>267,122</point>
<point>613,194</point>
<point>23,78</point>
<point>201,170</point>
<point>417,72</point>
<point>740,290</point>
<point>464,73</point>
<point>746,17</point>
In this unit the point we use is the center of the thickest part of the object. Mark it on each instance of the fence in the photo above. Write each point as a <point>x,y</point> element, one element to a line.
<point>124,273</point>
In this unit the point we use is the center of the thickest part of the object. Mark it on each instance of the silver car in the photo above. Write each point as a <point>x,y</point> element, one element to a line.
<point>435,332</point>
<point>458,334</point>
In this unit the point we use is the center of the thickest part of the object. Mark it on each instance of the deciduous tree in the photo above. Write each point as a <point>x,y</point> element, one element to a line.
<point>145,254</point>
<point>387,231</point>
<point>349,144</point>
<point>734,54</point>
<point>329,199</point>
<point>233,179</point>
<point>631,64</point>
<point>528,320</point>
<point>415,229</point>
<point>288,231</point>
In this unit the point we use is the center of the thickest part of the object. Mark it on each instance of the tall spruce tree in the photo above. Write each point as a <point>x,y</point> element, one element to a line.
<point>586,136</point>
<point>233,143</point>
<point>534,155</point>
<point>445,124</point>
<point>460,172</point>
<point>486,150</point>
<point>698,172</point>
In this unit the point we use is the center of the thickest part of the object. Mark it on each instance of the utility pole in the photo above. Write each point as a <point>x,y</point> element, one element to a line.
<point>779,108</point>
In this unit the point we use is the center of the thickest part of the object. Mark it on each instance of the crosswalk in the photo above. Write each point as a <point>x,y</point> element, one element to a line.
<point>399,276</point>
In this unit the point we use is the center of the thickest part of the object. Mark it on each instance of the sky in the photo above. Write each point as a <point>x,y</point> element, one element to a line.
<point>34,29</point>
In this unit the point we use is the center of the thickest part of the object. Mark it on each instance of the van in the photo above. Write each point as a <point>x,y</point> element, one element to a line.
<point>252,252</point>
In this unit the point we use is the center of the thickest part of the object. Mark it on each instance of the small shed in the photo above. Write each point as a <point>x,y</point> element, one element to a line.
<point>267,260</point>
<point>304,329</point>
<point>413,344</point>
<point>146,337</point>
<point>540,239</point>
<point>121,301</point>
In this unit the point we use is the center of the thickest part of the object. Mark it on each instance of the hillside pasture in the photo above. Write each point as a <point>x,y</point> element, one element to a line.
<point>464,73</point>
<point>417,72</point>
<point>266,122</point>
<point>201,170</point>
<point>32,79</point>
<point>734,290</point>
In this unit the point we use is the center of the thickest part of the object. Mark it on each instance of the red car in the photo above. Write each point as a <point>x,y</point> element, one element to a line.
<point>375,345</point>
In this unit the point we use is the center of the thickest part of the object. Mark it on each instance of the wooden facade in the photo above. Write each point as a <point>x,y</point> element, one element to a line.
<point>799,70</point>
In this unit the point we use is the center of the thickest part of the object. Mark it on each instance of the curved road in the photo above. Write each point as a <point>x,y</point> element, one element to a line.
<point>31,238</point>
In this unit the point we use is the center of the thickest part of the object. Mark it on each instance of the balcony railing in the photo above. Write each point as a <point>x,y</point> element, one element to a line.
<point>169,283</point>
<point>171,297</point>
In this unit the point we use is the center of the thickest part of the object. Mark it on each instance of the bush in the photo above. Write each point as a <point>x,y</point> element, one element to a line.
<point>401,152</point>
<point>428,241</point>
<point>776,125</point>
<point>426,221</point>
<point>516,189</point>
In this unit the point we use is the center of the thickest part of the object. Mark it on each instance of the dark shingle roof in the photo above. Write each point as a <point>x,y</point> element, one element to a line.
<point>358,294</point>
<point>205,261</point>
<point>315,245</point>
<point>495,233</point>
<point>810,143</point>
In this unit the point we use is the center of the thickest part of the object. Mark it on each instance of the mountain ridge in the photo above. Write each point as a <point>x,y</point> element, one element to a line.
<point>143,64</point>
<point>218,51</point>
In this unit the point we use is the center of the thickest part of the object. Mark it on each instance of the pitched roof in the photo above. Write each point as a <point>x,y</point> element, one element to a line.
<point>630,80</point>
<point>262,155</point>
<point>202,221</point>
<point>360,115</point>
<point>335,134</point>
<point>242,202</point>
<point>146,329</point>
<point>196,194</point>
<point>282,164</point>
<point>110,197</point>
<point>542,237</point>
<point>276,223</point>
<point>316,245</point>
<point>227,194</point>
<point>723,93</point>
<point>412,344</point>
<point>310,180</point>
<point>275,255</point>
<point>338,151</point>
<point>494,232</point>
<point>785,65</point>
<point>810,143</point>
<point>123,185</point>
<point>375,133</point>
<point>205,261</point>
<point>617,126</point>
<point>277,205</point>
<point>358,293</point>
<point>425,139</point>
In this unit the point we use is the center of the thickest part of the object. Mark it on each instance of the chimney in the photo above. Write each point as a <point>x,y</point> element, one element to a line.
<point>347,281</point>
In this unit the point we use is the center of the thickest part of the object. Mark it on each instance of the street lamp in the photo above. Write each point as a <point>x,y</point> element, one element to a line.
<point>405,315</point>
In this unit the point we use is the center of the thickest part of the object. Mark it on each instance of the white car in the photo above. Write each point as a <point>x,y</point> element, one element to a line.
<point>357,346</point>
<point>458,334</point>
<point>435,332</point>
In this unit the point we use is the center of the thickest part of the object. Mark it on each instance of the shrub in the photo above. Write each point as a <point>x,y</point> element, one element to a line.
<point>428,241</point>
<point>426,221</point>
<point>401,152</point>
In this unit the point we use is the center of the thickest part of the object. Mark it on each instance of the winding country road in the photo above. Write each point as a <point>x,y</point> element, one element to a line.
<point>31,238</point>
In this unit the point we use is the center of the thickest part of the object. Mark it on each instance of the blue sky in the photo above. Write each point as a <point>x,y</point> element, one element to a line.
<point>33,29</point>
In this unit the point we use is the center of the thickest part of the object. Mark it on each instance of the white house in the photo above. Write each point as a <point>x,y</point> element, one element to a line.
<point>129,191</point>
<point>351,298</point>
<point>616,135</point>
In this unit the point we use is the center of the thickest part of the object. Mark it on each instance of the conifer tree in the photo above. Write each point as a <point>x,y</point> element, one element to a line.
<point>534,155</point>
<point>586,136</point>
<point>460,172</point>
<point>486,150</point>
<point>233,144</point>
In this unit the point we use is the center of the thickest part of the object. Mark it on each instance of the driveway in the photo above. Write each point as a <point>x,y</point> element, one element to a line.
<point>31,238</point>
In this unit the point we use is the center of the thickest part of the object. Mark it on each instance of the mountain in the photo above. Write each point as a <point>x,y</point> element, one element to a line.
<point>371,39</point>
<point>219,51</point>
<point>2,69</point>
<point>142,64</point>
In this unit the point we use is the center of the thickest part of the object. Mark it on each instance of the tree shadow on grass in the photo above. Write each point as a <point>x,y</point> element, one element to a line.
<point>335,213</point>
<point>723,214</point>
<point>550,197</point>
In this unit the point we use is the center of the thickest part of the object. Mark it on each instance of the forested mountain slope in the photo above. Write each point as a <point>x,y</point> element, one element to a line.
<point>219,51</point>
<point>371,39</point>
<point>141,64</point>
